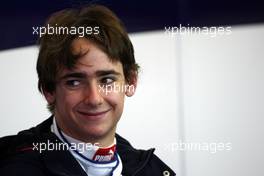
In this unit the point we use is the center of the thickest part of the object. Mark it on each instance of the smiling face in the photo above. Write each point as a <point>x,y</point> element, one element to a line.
<point>83,109</point>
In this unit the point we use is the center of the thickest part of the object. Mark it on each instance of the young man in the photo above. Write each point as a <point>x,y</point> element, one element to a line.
<point>86,67</point>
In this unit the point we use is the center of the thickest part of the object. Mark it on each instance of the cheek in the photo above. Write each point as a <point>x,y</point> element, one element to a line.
<point>68,100</point>
<point>116,100</point>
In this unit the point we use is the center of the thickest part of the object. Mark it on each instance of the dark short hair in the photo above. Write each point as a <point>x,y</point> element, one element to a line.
<point>55,50</point>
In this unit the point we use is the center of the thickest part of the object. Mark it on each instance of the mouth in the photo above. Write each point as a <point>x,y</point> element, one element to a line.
<point>93,115</point>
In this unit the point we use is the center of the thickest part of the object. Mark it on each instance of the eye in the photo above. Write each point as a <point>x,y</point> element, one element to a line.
<point>73,83</point>
<point>107,80</point>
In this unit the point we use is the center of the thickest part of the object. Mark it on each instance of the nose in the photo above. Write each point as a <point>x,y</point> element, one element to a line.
<point>92,95</point>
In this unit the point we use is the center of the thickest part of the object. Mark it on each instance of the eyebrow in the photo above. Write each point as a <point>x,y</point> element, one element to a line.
<point>84,75</point>
<point>107,72</point>
<point>74,75</point>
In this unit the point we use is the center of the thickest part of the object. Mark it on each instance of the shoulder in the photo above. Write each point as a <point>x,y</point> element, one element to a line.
<point>18,158</point>
<point>24,140</point>
<point>140,162</point>
<point>156,165</point>
<point>17,154</point>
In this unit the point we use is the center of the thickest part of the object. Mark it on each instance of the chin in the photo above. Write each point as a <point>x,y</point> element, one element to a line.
<point>97,132</point>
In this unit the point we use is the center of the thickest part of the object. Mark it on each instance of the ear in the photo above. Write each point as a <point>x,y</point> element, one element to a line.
<point>131,85</point>
<point>49,97</point>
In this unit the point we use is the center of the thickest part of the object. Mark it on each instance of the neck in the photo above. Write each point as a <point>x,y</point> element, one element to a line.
<point>91,150</point>
<point>103,141</point>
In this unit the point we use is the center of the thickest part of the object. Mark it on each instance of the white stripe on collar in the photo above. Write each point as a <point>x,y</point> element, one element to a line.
<point>92,168</point>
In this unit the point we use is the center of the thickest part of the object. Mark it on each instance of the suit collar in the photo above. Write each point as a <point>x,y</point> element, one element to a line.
<point>63,163</point>
<point>58,162</point>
